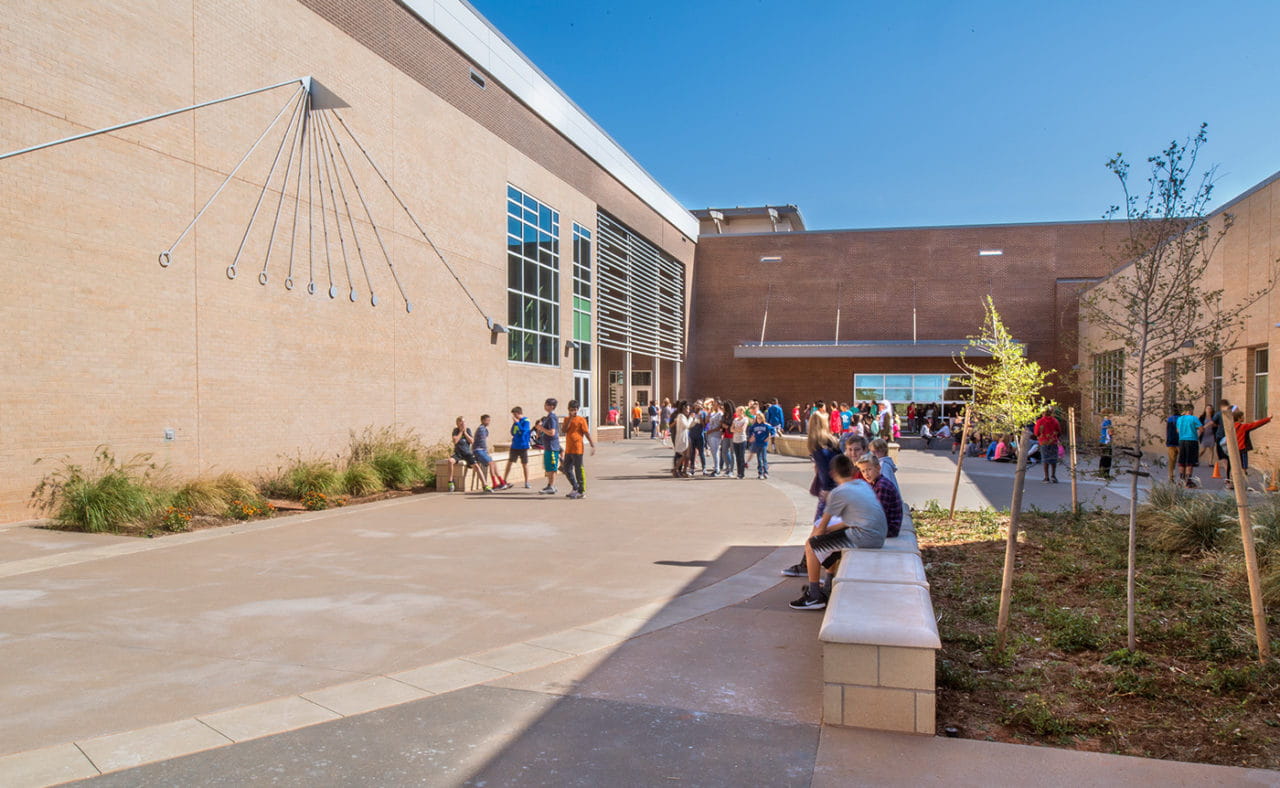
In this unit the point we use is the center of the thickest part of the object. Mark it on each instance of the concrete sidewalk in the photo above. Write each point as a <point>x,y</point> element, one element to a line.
<point>639,637</point>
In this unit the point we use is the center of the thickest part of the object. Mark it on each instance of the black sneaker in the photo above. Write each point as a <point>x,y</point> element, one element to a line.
<point>795,570</point>
<point>806,602</point>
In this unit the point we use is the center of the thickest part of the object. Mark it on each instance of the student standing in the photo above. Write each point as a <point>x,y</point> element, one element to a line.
<point>1189,429</point>
<point>480,447</point>
<point>1104,445</point>
<point>760,433</point>
<point>1047,430</point>
<point>740,424</point>
<point>575,431</point>
<point>549,431</point>
<point>653,420</point>
<point>1244,443</point>
<point>712,434</point>
<point>520,440</point>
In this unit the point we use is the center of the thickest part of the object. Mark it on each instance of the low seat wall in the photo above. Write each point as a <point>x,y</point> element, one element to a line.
<point>499,460</point>
<point>880,640</point>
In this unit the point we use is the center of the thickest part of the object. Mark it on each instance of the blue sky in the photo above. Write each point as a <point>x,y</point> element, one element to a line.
<point>912,113</point>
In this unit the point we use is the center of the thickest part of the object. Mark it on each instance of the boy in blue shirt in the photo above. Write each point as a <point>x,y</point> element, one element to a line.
<point>758,434</point>
<point>520,430</point>
<point>1189,428</point>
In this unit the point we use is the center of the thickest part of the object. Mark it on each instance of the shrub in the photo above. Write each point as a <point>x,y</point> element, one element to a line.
<point>1072,631</point>
<point>175,519</point>
<point>103,497</point>
<point>399,471</point>
<point>360,479</point>
<point>248,508</point>
<point>314,500</point>
<point>1197,524</point>
<point>1131,682</point>
<point>400,460</point>
<point>312,476</point>
<point>233,485</point>
<point>275,484</point>
<point>200,496</point>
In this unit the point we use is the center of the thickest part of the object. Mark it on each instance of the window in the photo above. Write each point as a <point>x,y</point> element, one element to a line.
<point>581,298</point>
<point>902,389</point>
<point>1215,382</point>
<point>533,280</point>
<point>1260,370</point>
<point>1108,381</point>
<point>642,377</point>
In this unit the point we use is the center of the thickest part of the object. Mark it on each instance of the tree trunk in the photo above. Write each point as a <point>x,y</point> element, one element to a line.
<point>1011,543</point>
<point>1131,582</point>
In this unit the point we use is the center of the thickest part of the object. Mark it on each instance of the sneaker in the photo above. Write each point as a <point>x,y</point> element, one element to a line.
<point>574,494</point>
<point>806,602</point>
<point>488,489</point>
<point>451,487</point>
<point>795,570</point>
<point>505,486</point>
<point>526,486</point>
<point>548,490</point>
<point>1055,480</point>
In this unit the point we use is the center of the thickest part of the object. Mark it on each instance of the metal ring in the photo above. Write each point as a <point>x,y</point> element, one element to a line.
<point>231,272</point>
<point>354,295</point>
<point>373,299</point>
<point>311,288</point>
<point>408,306</point>
<point>262,278</point>
<point>333,291</point>
<point>165,260</point>
<point>288,283</point>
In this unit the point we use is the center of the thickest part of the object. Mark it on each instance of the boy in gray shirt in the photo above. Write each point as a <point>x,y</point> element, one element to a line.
<point>853,519</point>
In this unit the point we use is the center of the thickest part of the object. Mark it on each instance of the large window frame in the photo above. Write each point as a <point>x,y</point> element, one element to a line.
<point>1261,363</point>
<point>1108,381</point>
<point>583,337</point>
<point>929,388</point>
<point>1215,382</point>
<point>533,280</point>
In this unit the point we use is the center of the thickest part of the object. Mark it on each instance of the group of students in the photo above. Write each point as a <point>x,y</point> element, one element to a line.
<point>870,419</point>
<point>1188,437</point>
<point>718,438</point>
<point>471,449</point>
<point>859,504</point>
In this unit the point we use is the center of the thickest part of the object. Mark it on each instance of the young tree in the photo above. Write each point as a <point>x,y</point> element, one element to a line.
<point>1006,397</point>
<point>1158,308</point>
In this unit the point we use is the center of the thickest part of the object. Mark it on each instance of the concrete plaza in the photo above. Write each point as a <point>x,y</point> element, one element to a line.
<point>640,636</point>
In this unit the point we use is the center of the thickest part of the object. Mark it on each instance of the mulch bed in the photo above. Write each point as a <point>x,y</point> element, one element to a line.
<point>1194,690</point>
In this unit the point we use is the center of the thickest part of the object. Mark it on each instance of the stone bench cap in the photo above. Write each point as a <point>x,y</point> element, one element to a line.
<point>880,614</point>
<point>904,542</point>
<point>881,566</point>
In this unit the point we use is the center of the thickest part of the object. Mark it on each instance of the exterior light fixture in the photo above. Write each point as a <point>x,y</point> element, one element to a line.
<point>990,252</point>
<point>570,346</point>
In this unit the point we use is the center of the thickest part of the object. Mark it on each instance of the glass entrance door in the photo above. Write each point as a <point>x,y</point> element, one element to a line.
<point>582,393</point>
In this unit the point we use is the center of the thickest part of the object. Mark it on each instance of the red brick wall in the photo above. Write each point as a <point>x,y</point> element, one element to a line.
<point>880,273</point>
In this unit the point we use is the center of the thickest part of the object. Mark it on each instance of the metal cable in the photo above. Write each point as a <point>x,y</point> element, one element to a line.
<point>351,222</point>
<point>297,197</point>
<point>412,218</point>
<point>165,255</point>
<point>324,220</point>
<point>337,220</point>
<point>253,217</point>
<point>284,188</point>
<point>369,214</point>
<point>311,228</point>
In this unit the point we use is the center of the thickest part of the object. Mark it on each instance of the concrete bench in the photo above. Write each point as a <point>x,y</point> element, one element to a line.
<point>879,645</point>
<point>905,542</point>
<point>499,459</point>
<point>875,566</point>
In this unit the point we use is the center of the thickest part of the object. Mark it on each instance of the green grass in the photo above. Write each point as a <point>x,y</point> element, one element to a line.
<point>362,479</point>
<point>1203,522</point>
<point>104,496</point>
<point>312,476</point>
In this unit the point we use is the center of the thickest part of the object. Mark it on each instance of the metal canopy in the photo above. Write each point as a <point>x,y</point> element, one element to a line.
<point>893,348</point>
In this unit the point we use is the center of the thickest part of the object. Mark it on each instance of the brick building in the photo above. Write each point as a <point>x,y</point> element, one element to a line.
<point>880,310</point>
<point>556,233</point>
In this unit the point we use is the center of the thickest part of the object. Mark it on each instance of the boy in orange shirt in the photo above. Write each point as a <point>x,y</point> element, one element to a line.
<point>575,429</point>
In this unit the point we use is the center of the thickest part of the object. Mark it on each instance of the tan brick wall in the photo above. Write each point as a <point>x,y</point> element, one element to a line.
<point>1241,265</point>
<point>103,346</point>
